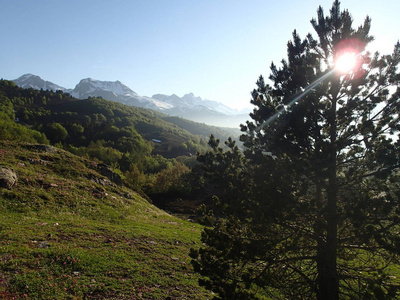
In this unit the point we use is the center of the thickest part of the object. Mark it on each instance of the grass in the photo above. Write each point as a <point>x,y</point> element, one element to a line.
<point>63,236</point>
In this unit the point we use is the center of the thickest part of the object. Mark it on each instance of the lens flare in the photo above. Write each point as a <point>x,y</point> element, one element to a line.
<point>295,99</point>
<point>346,62</point>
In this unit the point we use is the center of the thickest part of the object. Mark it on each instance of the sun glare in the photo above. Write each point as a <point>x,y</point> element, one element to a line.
<point>346,62</point>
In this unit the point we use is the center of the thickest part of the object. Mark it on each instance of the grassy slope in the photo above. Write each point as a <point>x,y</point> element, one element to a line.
<point>63,236</point>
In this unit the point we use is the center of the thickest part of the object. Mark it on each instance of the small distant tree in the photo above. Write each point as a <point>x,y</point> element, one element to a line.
<point>170,180</point>
<point>311,206</point>
<point>134,178</point>
<point>99,150</point>
<point>77,129</point>
<point>55,132</point>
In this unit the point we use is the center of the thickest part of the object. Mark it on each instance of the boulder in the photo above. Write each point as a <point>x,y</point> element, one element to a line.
<point>8,178</point>
<point>101,180</point>
<point>105,170</point>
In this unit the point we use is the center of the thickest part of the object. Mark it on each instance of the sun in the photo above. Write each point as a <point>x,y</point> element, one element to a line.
<point>346,62</point>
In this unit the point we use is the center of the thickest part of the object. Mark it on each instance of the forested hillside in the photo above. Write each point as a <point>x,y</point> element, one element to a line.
<point>153,152</point>
<point>41,109</point>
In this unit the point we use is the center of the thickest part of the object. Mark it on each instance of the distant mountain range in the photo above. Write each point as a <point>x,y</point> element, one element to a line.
<point>189,106</point>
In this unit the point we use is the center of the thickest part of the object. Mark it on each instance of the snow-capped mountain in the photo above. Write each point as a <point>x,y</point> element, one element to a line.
<point>32,81</point>
<point>114,91</point>
<point>86,87</point>
<point>190,101</point>
<point>189,106</point>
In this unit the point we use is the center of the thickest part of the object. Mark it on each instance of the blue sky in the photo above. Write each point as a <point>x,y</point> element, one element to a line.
<point>213,48</point>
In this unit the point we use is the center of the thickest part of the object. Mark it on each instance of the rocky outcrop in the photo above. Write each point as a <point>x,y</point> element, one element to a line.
<point>110,176</point>
<point>105,170</point>
<point>8,177</point>
<point>101,180</point>
<point>34,161</point>
<point>44,148</point>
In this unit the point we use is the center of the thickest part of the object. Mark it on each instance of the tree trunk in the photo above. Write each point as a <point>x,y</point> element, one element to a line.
<point>328,280</point>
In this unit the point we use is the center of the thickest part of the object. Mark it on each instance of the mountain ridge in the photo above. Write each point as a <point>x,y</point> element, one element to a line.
<point>188,106</point>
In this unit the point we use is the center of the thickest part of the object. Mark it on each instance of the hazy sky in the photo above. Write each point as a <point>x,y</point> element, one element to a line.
<point>213,48</point>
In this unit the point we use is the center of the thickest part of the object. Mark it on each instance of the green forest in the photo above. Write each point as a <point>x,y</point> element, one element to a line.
<point>153,152</point>
<point>305,204</point>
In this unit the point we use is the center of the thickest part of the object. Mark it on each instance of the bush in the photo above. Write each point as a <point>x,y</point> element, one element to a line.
<point>170,180</point>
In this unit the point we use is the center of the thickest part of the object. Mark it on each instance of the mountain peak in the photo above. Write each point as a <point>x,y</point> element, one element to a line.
<point>92,87</point>
<point>28,75</point>
<point>29,80</point>
<point>87,80</point>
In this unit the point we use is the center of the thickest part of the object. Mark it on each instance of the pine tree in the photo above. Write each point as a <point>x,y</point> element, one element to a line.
<point>311,207</point>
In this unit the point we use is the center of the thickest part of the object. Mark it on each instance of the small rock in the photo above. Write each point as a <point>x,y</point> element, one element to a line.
<point>8,178</point>
<point>99,193</point>
<point>43,244</point>
<point>35,161</point>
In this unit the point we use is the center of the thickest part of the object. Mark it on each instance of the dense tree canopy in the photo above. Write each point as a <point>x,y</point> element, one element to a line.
<point>150,150</point>
<point>310,208</point>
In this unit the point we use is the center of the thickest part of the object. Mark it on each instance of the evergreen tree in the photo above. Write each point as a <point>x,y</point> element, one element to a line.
<point>311,206</point>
